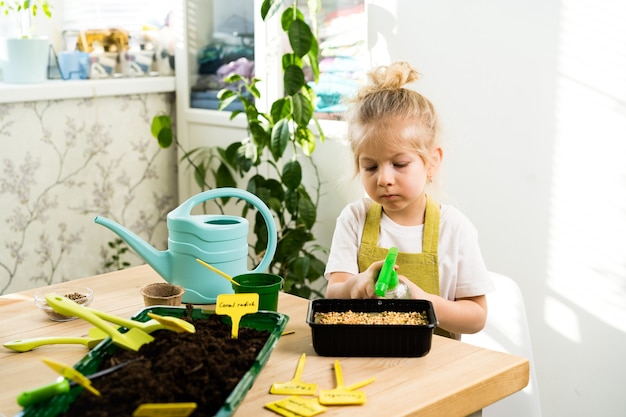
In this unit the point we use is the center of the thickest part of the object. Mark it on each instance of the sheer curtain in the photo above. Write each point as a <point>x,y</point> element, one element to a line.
<point>130,15</point>
<point>76,15</point>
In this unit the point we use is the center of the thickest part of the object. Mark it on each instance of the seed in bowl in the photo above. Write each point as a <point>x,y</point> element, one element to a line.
<point>76,296</point>
<point>81,295</point>
<point>384,317</point>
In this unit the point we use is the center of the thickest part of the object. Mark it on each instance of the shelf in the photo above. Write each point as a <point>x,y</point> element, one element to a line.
<point>71,89</point>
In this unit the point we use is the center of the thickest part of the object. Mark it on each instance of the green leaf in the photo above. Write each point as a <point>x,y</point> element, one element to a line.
<point>291,201</point>
<point>234,114</point>
<point>251,111</point>
<point>293,241</point>
<point>260,230</point>
<point>293,79</point>
<point>223,177</point>
<point>229,155</point>
<point>233,78</point>
<point>252,88</point>
<point>46,10</point>
<point>280,138</point>
<point>264,194</point>
<point>300,37</point>
<point>300,266</point>
<point>269,8</point>
<point>274,204</point>
<point>319,130</point>
<point>247,157</point>
<point>291,59</point>
<point>275,187</point>
<point>281,109</point>
<point>313,62</point>
<point>306,210</point>
<point>165,138</point>
<point>225,102</point>
<point>306,139</point>
<point>159,123</point>
<point>225,93</point>
<point>316,268</point>
<point>302,291</point>
<point>292,174</point>
<point>254,183</point>
<point>199,174</point>
<point>259,135</point>
<point>290,15</point>
<point>302,109</point>
<point>296,280</point>
<point>309,93</point>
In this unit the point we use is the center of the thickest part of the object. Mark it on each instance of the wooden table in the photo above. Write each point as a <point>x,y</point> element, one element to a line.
<point>453,379</point>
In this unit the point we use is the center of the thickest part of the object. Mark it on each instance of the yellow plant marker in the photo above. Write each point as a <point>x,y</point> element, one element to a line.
<point>282,411</point>
<point>72,374</point>
<point>343,395</point>
<point>296,406</point>
<point>217,271</point>
<point>237,306</point>
<point>165,410</point>
<point>295,386</point>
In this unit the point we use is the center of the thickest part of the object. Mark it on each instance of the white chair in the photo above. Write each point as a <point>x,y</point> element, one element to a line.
<point>507,331</point>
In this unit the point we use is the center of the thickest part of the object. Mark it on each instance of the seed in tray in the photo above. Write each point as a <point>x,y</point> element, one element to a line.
<point>384,317</point>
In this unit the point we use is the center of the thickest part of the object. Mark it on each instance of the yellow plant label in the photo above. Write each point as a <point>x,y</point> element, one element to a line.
<point>237,306</point>
<point>341,396</point>
<point>165,410</point>
<point>296,406</point>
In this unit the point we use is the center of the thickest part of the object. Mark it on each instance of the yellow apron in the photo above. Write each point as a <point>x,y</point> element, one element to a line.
<point>421,268</point>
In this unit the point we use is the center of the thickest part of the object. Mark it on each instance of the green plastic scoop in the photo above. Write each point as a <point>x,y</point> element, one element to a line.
<point>69,378</point>
<point>25,345</point>
<point>158,322</point>
<point>133,339</point>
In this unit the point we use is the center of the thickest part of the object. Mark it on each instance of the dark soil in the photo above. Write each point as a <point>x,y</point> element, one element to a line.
<point>201,367</point>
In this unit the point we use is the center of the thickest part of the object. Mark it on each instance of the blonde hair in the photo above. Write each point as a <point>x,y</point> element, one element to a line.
<point>379,106</point>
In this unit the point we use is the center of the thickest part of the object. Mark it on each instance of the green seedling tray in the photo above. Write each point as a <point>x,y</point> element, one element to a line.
<point>263,320</point>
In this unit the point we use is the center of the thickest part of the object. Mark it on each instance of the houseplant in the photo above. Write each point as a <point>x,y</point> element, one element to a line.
<point>24,58</point>
<point>269,162</point>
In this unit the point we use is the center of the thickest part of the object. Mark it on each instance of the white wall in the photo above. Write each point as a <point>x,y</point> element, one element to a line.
<point>532,95</point>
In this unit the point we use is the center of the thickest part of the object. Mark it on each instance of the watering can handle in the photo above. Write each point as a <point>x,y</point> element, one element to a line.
<point>184,210</point>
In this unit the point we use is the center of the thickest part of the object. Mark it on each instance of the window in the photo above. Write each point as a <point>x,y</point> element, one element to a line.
<point>131,15</point>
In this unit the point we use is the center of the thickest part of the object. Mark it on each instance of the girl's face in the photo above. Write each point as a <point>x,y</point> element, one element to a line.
<point>396,178</point>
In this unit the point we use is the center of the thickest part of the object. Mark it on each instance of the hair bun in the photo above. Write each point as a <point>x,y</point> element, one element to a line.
<point>389,78</point>
<point>393,76</point>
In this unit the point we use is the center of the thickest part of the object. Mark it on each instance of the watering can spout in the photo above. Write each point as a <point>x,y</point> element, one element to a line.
<point>158,260</point>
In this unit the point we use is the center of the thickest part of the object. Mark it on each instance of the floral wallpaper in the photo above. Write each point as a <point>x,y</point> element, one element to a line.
<point>63,162</point>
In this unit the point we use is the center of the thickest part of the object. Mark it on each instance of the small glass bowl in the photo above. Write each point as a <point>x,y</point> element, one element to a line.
<point>82,295</point>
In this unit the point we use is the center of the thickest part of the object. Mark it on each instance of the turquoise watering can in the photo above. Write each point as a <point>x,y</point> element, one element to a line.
<point>220,240</point>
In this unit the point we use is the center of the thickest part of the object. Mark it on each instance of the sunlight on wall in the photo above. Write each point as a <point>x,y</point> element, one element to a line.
<point>377,41</point>
<point>562,319</point>
<point>587,259</point>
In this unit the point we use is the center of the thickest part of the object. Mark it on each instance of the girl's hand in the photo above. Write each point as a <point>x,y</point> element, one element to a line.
<point>463,315</point>
<point>359,286</point>
<point>416,292</point>
<point>362,285</point>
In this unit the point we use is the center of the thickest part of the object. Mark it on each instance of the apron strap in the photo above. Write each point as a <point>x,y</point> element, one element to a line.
<point>372,224</point>
<point>431,227</point>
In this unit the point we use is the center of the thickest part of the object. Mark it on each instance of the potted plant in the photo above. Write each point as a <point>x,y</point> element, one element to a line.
<point>269,162</point>
<point>24,58</point>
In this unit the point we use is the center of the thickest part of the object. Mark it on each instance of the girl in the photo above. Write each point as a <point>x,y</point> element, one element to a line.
<point>393,133</point>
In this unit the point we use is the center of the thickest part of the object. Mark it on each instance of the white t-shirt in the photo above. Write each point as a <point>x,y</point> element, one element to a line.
<point>462,270</point>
